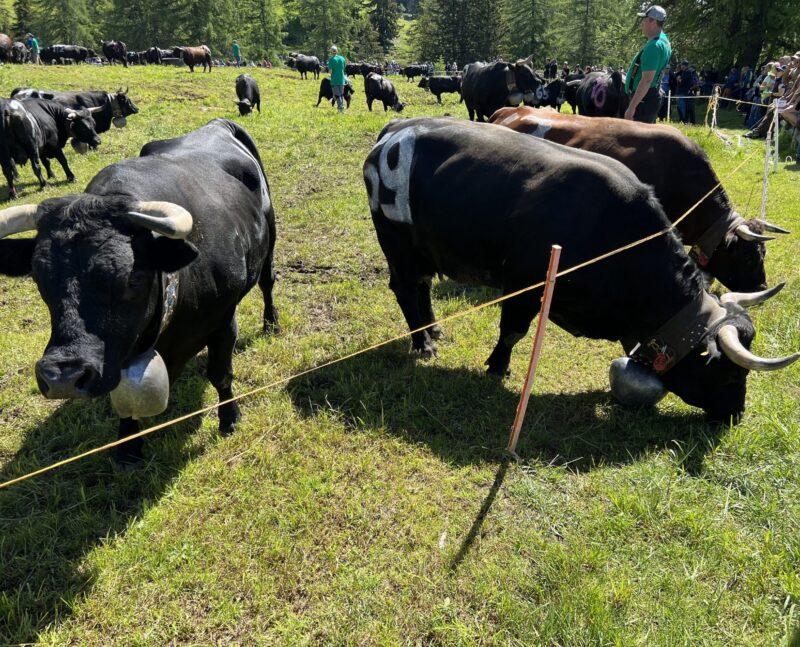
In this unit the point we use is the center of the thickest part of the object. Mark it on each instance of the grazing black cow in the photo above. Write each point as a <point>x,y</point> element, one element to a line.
<point>115,50</point>
<point>248,93</point>
<point>326,92</point>
<point>439,85</point>
<point>486,87</point>
<point>116,106</point>
<point>38,129</point>
<point>413,71</point>
<point>146,268</point>
<point>65,54</point>
<point>5,48</point>
<point>19,53</point>
<point>377,87</point>
<point>152,56</point>
<point>477,203</point>
<point>723,243</point>
<point>600,94</point>
<point>305,64</point>
<point>198,55</point>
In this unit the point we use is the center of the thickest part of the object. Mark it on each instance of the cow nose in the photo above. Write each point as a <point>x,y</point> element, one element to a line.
<point>65,380</point>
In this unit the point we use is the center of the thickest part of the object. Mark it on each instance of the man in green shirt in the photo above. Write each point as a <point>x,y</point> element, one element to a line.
<point>336,66</point>
<point>33,43</point>
<point>644,74</point>
<point>237,53</point>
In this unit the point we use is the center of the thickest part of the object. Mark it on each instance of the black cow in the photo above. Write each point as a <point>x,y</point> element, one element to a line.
<point>326,92</point>
<point>134,58</point>
<point>74,53</point>
<point>477,203</point>
<point>305,64</point>
<point>600,94</point>
<point>550,95</point>
<point>367,68</point>
<point>115,50</point>
<point>413,71</point>
<point>439,85</point>
<point>248,93</point>
<point>19,53</point>
<point>116,107</point>
<point>153,56</point>
<point>486,87</point>
<point>376,87</point>
<point>166,254</point>
<point>38,129</point>
<point>198,55</point>
<point>5,48</point>
<point>352,68</point>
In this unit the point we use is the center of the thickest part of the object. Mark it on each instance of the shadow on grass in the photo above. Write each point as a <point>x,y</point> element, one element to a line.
<point>465,416</point>
<point>48,524</point>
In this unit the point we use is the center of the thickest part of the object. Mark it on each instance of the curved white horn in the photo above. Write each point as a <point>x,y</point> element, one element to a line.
<point>165,218</point>
<point>747,299</point>
<point>768,226</point>
<point>745,233</point>
<point>18,219</point>
<point>95,109</point>
<point>728,338</point>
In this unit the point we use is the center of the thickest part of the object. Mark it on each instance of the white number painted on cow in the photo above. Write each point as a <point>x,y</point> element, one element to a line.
<point>15,105</point>
<point>393,173</point>
<point>542,126</point>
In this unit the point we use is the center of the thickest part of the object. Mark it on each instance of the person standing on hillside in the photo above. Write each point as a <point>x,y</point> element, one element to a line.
<point>644,74</point>
<point>33,45</point>
<point>336,66</point>
<point>237,53</point>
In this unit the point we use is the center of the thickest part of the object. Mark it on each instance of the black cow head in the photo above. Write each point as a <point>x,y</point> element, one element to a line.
<point>526,79</point>
<point>82,129</point>
<point>738,261</point>
<point>423,82</point>
<point>97,263</point>
<point>245,107</point>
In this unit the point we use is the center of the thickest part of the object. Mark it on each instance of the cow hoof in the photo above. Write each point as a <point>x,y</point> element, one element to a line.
<point>129,456</point>
<point>428,352</point>
<point>497,371</point>
<point>71,179</point>
<point>229,415</point>
<point>436,332</point>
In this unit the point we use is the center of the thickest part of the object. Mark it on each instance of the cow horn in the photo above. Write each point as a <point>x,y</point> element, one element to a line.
<point>768,226</point>
<point>745,233</point>
<point>165,218</point>
<point>747,299</point>
<point>729,343</point>
<point>72,114</point>
<point>95,109</point>
<point>15,220</point>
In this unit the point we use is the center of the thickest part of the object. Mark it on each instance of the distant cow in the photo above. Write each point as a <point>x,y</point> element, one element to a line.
<point>600,94</point>
<point>411,71</point>
<point>376,87</point>
<point>19,53</point>
<point>198,55</point>
<point>551,95</point>
<point>248,93</point>
<point>38,129</point>
<point>113,107</point>
<point>487,87</point>
<point>366,68</point>
<point>439,85</point>
<point>152,56</point>
<point>305,64</point>
<point>326,92</point>
<point>115,50</point>
<point>62,54</point>
<point>5,48</point>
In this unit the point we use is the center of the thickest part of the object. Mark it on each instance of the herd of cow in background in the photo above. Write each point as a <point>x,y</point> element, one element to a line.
<point>187,249</point>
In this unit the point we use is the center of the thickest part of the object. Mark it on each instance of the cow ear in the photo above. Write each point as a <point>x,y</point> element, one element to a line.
<point>170,255</point>
<point>15,256</point>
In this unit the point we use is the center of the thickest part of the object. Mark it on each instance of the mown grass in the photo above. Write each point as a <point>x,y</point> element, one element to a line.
<point>371,502</point>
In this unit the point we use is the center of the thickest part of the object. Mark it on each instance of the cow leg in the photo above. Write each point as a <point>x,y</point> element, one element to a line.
<point>369,103</point>
<point>46,164</point>
<point>37,170</point>
<point>8,171</point>
<point>220,373</point>
<point>129,453</point>
<point>439,99</point>
<point>319,100</point>
<point>405,285</point>
<point>266,282</point>
<point>426,308</point>
<point>62,159</point>
<point>515,320</point>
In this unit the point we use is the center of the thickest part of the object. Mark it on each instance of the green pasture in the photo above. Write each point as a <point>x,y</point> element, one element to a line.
<point>372,503</point>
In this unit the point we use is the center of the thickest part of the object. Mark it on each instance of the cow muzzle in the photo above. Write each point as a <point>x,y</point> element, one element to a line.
<point>143,389</point>
<point>66,380</point>
<point>635,385</point>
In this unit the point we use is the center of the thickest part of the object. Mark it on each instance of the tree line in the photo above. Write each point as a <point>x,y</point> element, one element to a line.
<point>714,33</point>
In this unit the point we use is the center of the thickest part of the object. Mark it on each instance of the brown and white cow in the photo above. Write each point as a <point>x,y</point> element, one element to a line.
<point>199,55</point>
<point>724,244</point>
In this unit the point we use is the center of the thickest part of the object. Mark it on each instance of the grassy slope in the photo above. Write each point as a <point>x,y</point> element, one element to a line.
<point>351,506</point>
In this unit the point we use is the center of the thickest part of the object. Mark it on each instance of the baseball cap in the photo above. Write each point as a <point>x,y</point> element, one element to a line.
<point>334,49</point>
<point>655,12</point>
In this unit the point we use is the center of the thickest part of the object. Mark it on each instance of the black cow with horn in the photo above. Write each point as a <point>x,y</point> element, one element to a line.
<point>116,106</point>
<point>486,87</point>
<point>166,254</point>
<point>37,130</point>
<point>249,96</point>
<point>476,203</point>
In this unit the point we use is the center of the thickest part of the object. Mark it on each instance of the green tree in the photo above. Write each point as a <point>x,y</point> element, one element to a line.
<point>384,15</point>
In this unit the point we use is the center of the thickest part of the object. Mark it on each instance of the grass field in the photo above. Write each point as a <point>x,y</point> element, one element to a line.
<point>371,503</point>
